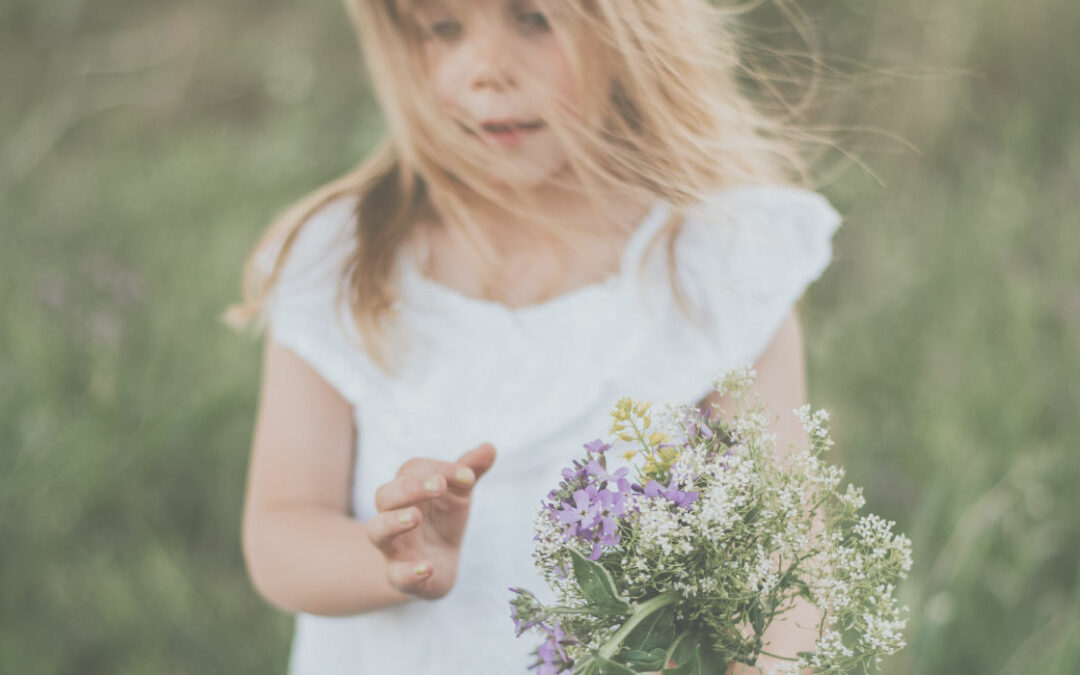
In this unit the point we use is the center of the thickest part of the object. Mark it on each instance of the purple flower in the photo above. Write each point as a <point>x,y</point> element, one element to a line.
<point>583,510</point>
<point>550,649</point>
<point>683,499</point>
<point>613,502</point>
<point>576,473</point>
<point>610,538</point>
<point>595,554</point>
<point>602,474</point>
<point>671,493</point>
<point>654,489</point>
<point>526,597</point>
<point>519,625</point>
<point>597,446</point>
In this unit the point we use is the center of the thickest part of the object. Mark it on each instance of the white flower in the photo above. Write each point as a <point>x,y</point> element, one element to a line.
<point>852,497</point>
<point>735,381</point>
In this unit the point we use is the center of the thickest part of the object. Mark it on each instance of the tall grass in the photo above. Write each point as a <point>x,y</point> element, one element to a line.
<point>143,145</point>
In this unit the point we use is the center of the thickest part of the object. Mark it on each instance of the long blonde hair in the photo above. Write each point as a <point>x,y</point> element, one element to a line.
<point>665,119</point>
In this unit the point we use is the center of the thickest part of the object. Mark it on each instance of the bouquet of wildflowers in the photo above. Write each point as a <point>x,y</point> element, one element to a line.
<point>713,538</point>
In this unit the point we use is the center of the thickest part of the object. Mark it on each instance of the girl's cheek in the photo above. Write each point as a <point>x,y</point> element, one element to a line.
<point>442,75</point>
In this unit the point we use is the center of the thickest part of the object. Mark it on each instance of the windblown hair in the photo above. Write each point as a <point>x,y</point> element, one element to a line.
<point>663,116</point>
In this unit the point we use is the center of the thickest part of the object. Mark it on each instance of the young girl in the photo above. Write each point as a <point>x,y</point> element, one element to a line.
<point>573,203</point>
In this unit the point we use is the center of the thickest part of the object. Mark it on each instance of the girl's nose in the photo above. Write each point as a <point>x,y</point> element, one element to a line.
<point>490,56</point>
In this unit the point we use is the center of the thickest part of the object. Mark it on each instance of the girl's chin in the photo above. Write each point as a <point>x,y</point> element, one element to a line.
<point>525,174</point>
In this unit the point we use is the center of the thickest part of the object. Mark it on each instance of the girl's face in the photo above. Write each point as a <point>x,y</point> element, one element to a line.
<point>493,65</point>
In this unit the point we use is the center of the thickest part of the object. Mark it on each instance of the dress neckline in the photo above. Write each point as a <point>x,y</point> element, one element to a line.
<point>415,281</point>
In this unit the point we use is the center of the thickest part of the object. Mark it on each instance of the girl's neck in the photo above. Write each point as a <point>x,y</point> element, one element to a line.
<point>533,265</point>
<point>509,232</point>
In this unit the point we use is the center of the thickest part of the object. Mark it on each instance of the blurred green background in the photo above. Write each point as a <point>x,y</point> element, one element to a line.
<point>143,145</point>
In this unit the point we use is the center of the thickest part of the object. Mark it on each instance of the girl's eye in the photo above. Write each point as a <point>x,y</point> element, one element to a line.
<point>534,21</point>
<point>446,30</point>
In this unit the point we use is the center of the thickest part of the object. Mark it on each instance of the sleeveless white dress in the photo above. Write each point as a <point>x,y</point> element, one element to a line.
<point>538,382</point>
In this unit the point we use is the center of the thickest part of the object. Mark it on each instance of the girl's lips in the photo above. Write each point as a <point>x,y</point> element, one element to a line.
<point>507,135</point>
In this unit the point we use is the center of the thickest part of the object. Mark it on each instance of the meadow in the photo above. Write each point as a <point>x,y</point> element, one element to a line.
<point>144,145</point>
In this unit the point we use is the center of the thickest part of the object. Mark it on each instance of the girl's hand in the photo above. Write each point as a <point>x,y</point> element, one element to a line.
<point>422,517</point>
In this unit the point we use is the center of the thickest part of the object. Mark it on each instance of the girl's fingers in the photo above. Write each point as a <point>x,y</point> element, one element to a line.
<point>404,491</point>
<point>479,459</point>
<point>421,479</point>
<point>408,577</point>
<point>384,527</point>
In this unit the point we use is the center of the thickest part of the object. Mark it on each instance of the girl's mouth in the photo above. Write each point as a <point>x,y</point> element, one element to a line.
<point>508,134</point>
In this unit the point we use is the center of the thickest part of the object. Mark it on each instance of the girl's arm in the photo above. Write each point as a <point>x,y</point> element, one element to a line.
<point>304,553</point>
<point>781,386</point>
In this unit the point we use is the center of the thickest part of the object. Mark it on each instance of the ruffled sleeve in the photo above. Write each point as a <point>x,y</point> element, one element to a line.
<point>302,310</point>
<point>747,256</point>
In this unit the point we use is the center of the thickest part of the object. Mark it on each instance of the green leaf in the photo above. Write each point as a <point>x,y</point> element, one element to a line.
<point>651,660</point>
<point>757,618</point>
<point>712,661</point>
<point>693,658</point>
<point>609,667</point>
<point>689,664</point>
<point>657,630</point>
<point>683,649</point>
<point>586,665</point>
<point>597,585</point>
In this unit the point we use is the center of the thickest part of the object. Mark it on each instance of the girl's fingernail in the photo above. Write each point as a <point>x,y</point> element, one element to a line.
<point>431,484</point>
<point>465,476</point>
<point>405,517</point>
<point>420,570</point>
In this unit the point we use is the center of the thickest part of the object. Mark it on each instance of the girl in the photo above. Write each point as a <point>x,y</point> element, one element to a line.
<point>573,203</point>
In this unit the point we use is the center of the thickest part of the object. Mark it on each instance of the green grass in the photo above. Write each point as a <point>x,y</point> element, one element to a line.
<point>144,146</point>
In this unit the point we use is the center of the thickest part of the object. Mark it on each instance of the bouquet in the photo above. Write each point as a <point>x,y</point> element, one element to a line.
<point>712,539</point>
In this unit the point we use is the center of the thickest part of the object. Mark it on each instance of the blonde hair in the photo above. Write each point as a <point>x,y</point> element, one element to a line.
<point>664,117</point>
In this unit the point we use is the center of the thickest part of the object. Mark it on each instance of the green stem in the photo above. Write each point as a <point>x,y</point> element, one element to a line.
<point>777,656</point>
<point>643,610</point>
<point>589,611</point>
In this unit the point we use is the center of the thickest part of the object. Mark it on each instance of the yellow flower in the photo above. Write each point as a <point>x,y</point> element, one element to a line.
<point>629,454</point>
<point>657,438</point>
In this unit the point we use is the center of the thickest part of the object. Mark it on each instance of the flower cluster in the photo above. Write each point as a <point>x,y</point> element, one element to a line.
<point>583,509</point>
<point>711,539</point>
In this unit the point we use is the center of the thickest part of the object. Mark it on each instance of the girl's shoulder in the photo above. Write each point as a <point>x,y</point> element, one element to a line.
<point>761,235</point>
<point>766,213</point>
<point>324,240</point>
<point>746,255</point>
<point>304,309</point>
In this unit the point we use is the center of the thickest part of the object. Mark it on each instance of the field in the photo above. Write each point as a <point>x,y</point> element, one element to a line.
<point>144,145</point>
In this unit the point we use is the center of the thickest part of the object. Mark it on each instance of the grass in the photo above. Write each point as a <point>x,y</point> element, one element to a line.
<point>146,144</point>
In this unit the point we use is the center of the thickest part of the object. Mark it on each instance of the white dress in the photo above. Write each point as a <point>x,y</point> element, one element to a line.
<point>538,382</point>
